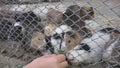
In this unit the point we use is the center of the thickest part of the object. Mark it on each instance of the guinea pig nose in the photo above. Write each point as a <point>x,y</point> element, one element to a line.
<point>67,58</point>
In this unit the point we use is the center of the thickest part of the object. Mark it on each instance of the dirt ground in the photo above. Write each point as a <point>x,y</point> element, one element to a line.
<point>106,13</point>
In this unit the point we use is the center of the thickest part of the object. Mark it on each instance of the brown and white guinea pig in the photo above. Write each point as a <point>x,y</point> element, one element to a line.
<point>72,39</point>
<point>49,28</point>
<point>41,43</point>
<point>54,19</point>
<point>92,49</point>
<point>86,13</point>
<point>38,40</point>
<point>54,16</point>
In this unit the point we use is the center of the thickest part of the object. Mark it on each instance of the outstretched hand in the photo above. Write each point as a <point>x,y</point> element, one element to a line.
<point>49,61</point>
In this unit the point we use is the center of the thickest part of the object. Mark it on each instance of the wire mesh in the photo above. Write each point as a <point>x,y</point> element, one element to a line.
<point>86,31</point>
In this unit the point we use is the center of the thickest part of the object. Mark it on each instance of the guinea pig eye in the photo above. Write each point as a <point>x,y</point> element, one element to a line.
<point>39,39</point>
<point>69,41</point>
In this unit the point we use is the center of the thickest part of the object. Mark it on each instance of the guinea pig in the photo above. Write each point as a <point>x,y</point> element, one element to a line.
<point>57,40</point>
<point>72,39</point>
<point>49,28</point>
<point>91,50</point>
<point>38,41</point>
<point>112,48</point>
<point>54,16</point>
<point>16,33</point>
<point>87,13</point>
<point>75,14</point>
<point>27,19</point>
<point>30,22</point>
<point>72,17</point>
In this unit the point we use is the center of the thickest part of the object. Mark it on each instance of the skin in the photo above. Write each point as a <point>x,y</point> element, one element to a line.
<point>49,61</point>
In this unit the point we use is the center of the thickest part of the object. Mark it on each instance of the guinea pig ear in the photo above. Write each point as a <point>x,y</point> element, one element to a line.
<point>86,8</point>
<point>89,10</point>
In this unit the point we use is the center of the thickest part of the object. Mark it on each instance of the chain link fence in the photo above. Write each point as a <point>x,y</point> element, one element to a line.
<point>86,31</point>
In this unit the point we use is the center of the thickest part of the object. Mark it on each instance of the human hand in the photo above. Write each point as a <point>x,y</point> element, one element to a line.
<point>49,61</point>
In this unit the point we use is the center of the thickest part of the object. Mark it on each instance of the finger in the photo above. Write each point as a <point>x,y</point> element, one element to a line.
<point>49,55</point>
<point>61,58</point>
<point>64,64</point>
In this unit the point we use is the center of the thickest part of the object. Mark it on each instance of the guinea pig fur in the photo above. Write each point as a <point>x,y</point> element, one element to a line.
<point>58,38</point>
<point>72,39</point>
<point>87,13</point>
<point>76,15</point>
<point>54,16</point>
<point>90,50</point>
<point>49,28</point>
<point>38,41</point>
<point>112,48</point>
<point>29,20</point>
<point>72,17</point>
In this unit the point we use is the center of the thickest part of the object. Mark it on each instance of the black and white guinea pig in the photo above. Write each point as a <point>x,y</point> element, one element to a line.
<point>29,20</point>
<point>57,40</point>
<point>72,17</point>
<point>91,50</point>
<point>16,32</point>
<point>76,16</point>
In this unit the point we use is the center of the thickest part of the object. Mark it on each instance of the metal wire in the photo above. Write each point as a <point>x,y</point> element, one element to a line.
<point>32,28</point>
